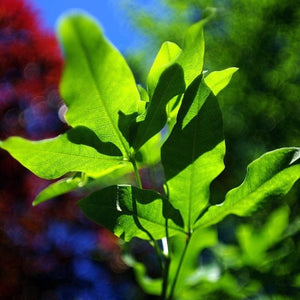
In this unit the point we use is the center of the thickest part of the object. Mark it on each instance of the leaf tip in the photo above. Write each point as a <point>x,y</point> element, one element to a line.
<point>295,157</point>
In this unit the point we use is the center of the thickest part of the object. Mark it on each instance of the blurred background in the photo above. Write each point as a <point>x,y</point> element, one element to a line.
<point>52,251</point>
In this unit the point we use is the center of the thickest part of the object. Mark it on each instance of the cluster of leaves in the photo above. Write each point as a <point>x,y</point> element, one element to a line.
<point>119,128</point>
<point>260,109</point>
<point>36,244</point>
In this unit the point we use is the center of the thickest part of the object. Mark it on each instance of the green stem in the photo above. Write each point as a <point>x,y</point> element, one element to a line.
<point>137,174</point>
<point>166,265</point>
<point>139,183</point>
<point>165,278</point>
<point>179,268</point>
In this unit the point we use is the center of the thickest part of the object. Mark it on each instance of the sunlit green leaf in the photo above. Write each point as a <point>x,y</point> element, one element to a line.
<point>218,80</point>
<point>131,212</point>
<point>143,93</point>
<point>52,158</point>
<point>150,151</point>
<point>57,188</point>
<point>170,84</point>
<point>84,184</point>
<point>96,83</point>
<point>193,154</point>
<point>272,174</point>
<point>166,56</point>
<point>192,55</point>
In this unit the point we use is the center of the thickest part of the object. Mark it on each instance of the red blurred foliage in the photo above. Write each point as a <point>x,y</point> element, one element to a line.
<point>30,69</point>
<point>33,62</point>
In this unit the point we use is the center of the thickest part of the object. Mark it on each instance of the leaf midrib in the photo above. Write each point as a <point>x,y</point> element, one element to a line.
<point>192,176</point>
<point>93,76</point>
<point>104,157</point>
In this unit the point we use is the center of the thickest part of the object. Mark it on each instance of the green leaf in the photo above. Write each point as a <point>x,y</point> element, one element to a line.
<point>218,80</point>
<point>97,83</point>
<point>131,212</point>
<point>148,284</point>
<point>84,184</point>
<point>192,55</point>
<point>167,54</point>
<point>143,93</point>
<point>58,188</point>
<point>273,174</point>
<point>52,158</point>
<point>190,271</point>
<point>193,154</point>
<point>170,84</point>
<point>255,243</point>
<point>150,152</point>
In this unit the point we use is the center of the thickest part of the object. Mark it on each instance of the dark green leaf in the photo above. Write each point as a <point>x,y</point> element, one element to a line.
<point>131,212</point>
<point>193,154</point>
<point>170,84</point>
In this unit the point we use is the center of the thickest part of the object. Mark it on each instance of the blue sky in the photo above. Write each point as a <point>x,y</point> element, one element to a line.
<point>112,18</point>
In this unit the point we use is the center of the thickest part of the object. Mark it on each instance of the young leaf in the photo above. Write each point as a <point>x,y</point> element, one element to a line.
<point>131,212</point>
<point>167,54</point>
<point>144,97</point>
<point>148,284</point>
<point>57,188</point>
<point>170,84</point>
<point>52,158</point>
<point>192,55</point>
<point>193,154</point>
<point>97,83</point>
<point>273,174</point>
<point>218,80</point>
<point>255,243</point>
<point>89,184</point>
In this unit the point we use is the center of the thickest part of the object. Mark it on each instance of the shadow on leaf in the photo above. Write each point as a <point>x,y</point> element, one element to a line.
<point>201,133</point>
<point>82,135</point>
